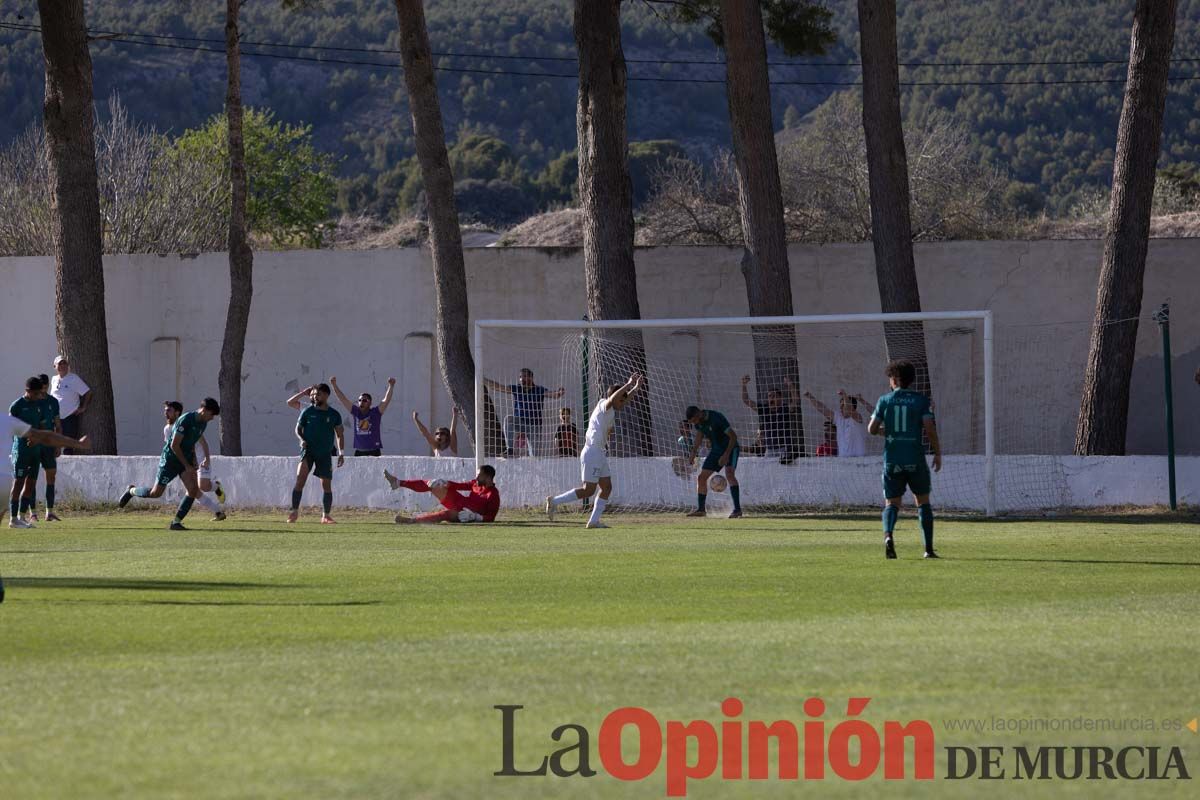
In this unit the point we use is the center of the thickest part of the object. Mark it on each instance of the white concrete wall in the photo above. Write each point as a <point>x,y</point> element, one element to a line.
<point>365,316</point>
<point>1023,484</point>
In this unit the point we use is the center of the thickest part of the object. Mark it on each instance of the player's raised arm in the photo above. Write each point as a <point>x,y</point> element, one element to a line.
<point>454,415</point>
<point>931,432</point>
<point>496,387</point>
<point>340,432</point>
<point>294,400</point>
<point>746,401</point>
<point>345,401</point>
<point>387,396</point>
<point>630,386</point>
<point>823,409</point>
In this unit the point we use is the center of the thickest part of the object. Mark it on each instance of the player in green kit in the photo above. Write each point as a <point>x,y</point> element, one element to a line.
<point>178,460</point>
<point>48,404</point>
<point>321,436</point>
<point>900,417</point>
<point>723,454</point>
<point>25,455</point>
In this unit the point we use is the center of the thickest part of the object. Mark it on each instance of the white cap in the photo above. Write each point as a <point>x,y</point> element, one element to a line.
<point>59,359</point>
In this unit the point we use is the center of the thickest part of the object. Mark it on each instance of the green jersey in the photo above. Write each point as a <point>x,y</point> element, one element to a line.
<point>28,412</point>
<point>49,409</point>
<point>191,426</point>
<point>903,413</point>
<point>318,428</point>
<point>716,428</point>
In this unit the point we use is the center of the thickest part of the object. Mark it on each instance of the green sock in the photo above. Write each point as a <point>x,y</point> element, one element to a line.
<point>925,515</point>
<point>141,492</point>
<point>296,499</point>
<point>24,504</point>
<point>736,493</point>
<point>185,506</point>
<point>13,505</point>
<point>700,499</point>
<point>327,502</point>
<point>890,513</point>
<point>49,496</point>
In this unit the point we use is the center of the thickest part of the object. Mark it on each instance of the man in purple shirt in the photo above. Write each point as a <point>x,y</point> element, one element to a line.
<point>367,420</point>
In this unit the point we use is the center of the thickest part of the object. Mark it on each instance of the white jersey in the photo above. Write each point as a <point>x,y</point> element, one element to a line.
<point>600,424</point>
<point>851,437</point>
<point>15,428</point>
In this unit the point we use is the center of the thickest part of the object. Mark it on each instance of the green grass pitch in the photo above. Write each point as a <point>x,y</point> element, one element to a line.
<point>254,659</point>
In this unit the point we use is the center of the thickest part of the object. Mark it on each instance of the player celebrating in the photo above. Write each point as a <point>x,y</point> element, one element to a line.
<point>317,429</point>
<point>178,460</point>
<point>480,504</point>
<point>593,459</point>
<point>723,452</point>
<point>900,417</point>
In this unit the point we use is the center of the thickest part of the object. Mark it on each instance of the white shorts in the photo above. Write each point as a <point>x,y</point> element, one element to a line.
<point>593,465</point>
<point>204,473</point>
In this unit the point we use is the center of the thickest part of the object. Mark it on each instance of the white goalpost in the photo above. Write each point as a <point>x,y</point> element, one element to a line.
<point>796,389</point>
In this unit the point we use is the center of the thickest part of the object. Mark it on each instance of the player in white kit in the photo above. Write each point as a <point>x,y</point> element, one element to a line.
<point>593,459</point>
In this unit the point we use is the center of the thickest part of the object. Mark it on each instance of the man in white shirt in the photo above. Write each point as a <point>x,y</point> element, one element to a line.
<point>851,428</point>
<point>593,459</point>
<point>73,396</point>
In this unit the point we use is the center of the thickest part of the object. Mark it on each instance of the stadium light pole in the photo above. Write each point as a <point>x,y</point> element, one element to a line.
<point>1163,318</point>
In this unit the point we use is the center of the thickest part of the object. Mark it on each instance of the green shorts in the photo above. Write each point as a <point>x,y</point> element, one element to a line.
<point>320,464</point>
<point>25,462</point>
<point>48,459</point>
<point>168,470</point>
<point>712,462</point>
<point>913,476</point>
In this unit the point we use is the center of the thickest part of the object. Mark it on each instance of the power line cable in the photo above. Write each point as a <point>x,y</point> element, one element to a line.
<point>572,59</point>
<point>117,38</point>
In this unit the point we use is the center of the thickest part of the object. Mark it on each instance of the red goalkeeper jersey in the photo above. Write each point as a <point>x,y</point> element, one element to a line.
<point>483,500</point>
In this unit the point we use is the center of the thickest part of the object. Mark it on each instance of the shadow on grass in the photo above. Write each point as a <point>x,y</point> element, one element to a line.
<point>137,584</point>
<point>1081,561</point>
<point>298,603</point>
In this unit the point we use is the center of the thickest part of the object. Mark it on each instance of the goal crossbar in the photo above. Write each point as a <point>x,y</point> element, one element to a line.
<point>722,322</point>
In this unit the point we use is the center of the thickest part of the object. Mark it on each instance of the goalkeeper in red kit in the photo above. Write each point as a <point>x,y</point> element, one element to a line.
<point>480,503</point>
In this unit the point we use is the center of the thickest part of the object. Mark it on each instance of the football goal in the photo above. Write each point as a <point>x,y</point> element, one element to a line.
<point>798,391</point>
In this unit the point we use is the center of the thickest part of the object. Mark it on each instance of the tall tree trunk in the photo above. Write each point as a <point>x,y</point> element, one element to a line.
<point>760,196</point>
<point>241,257</point>
<point>69,120</point>
<point>1104,409</point>
<point>449,269</point>
<point>606,194</point>
<point>887,168</point>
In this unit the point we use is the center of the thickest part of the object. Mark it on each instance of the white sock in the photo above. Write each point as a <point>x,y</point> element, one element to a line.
<point>208,503</point>
<point>565,497</point>
<point>597,510</point>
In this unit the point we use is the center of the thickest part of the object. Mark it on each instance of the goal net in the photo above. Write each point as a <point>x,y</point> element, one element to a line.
<point>798,392</point>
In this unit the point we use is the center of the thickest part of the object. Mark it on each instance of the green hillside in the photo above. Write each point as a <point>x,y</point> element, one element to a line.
<point>1057,137</point>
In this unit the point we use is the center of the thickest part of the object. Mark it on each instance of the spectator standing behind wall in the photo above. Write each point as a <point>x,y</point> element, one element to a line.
<point>779,434</point>
<point>566,436</point>
<point>851,430</point>
<point>73,396</point>
<point>526,420</point>
<point>368,420</point>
